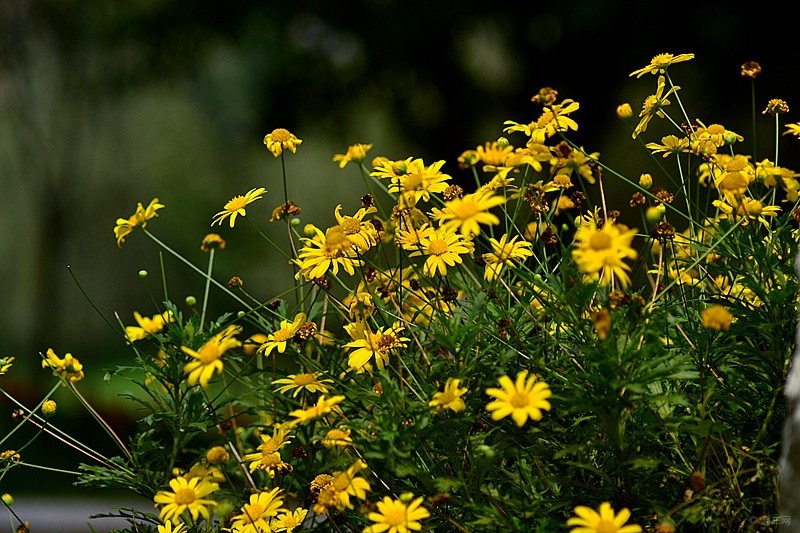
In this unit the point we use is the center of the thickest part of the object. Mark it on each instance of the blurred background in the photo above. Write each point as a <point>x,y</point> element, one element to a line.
<point>105,103</point>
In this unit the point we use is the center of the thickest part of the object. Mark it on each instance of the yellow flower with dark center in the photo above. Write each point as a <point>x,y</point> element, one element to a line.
<point>207,358</point>
<point>444,248</point>
<point>281,139</point>
<point>716,317</point>
<point>450,398</point>
<point>368,345</point>
<point>236,206</point>
<point>67,368</point>
<point>147,326</point>
<point>653,106</point>
<point>523,399</point>
<point>503,251</point>
<point>321,408</point>
<point>186,495</point>
<point>356,153</point>
<point>279,338</point>
<point>601,252</point>
<point>606,521</point>
<point>362,235</point>
<point>125,226</point>
<point>397,516</point>
<point>659,64</point>
<point>337,437</point>
<point>257,513</point>
<point>466,214</point>
<point>326,251</point>
<point>288,521</point>
<point>310,382</point>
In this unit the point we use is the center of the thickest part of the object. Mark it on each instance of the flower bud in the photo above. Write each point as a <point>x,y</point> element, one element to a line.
<point>295,222</point>
<point>143,273</point>
<point>654,214</point>
<point>49,408</point>
<point>191,301</point>
<point>624,111</point>
<point>646,180</point>
<point>502,142</point>
<point>8,499</point>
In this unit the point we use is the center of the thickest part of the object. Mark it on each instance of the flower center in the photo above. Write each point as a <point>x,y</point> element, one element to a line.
<point>282,335</point>
<point>519,400</point>
<point>350,225</point>
<point>662,60</point>
<point>208,353</point>
<point>437,247</point>
<point>600,241</point>
<point>386,343</point>
<point>412,182</point>
<point>254,512</point>
<point>281,135</point>
<point>606,526</point>
<point>304,379</point>
<point>238,202</point>
<point>184,496</point>
<point>466,209</point>
<point>395,517</point>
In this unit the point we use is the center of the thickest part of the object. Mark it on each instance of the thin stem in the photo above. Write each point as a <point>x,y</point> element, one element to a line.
<point>101,421</point>
<point>208,286</point>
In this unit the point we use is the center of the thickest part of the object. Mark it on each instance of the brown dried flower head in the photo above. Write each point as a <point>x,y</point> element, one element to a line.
<point>751,69</point>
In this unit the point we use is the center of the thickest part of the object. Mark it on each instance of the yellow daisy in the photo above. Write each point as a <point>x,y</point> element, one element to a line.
<point>68,367</point>
<point>659,64</point>
<point>552,120</point>
<point>322,407</point>
<point>278,339</point>
<point>281,139</point>
<point>147,326</point>
<point>397,516</point>
<point>522,399</point>
<point>716,317</point>
<point>257,513</point>
<point>653,106</point>
<point>186,495</point>
<point>337,437</point>
<point>236,205</point>
<point>450,398</point>
<point>349,483</point>
<point>368,345</point>
<point>289,520</point>
<point>207,358</point>
<point>467,213</point>
<point>305,381</point>
<point>443,249</point>
<point>168,527</point>
<point>792,129</point>
<point>139,219</point>
<point>326,251</point>
<point>590,521</point>
<point>356,153</point>
<point>602,251</point>
<point>503,251</point>
<point>419,182</point>
<point>362,235</point>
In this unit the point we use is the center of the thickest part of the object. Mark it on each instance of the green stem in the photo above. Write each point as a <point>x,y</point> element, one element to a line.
<point>208,286</point>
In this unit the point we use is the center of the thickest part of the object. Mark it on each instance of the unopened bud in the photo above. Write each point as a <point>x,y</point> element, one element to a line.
<point>654,214</point>
<point>8,499</point>
<point>624,111</point>
<point>646,181</point>
<point>143,273</point>
<point>191,301</point>
<point>49,408</point>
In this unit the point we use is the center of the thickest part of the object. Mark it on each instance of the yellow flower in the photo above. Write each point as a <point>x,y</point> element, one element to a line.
<point>503,251</point>
<point>287,521</point>
<point>671,145</point>
<point>236,205</point>
<point>207,358</point>
<point>5,364</point>
<point>624,111</point>
<point>418,182</point>
<point>793,129</point>
<point>348,483</point>
<point>362,235</point>
<point>306,381</point>
<point>212,241</point>
<point>217,454</point>
<point>367,345</point>
<point>322,407</point>
<point>659,64</point>
<point>267,457</point>
<point>147,326</point>
<point>139,219</point>
<point>280,140</point>
<point>444,248</point>
<point>187,495</point>
<point>68,367</point>
<point>465,214</point>
<point>337,437</point>
<point>356,153</point>
<point>552,120</point>
<point>397,516</point>
<point>590,521</point>
<point>167,527</point>
<point>284,334</point>
<point>450,398</point>
<point>326,251</point>
<point>49,408</point>
<point>716,317</point>
<point>601,251</point>
<point>256,514</point>
<point>522,399</point>
<point>653,106</point>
